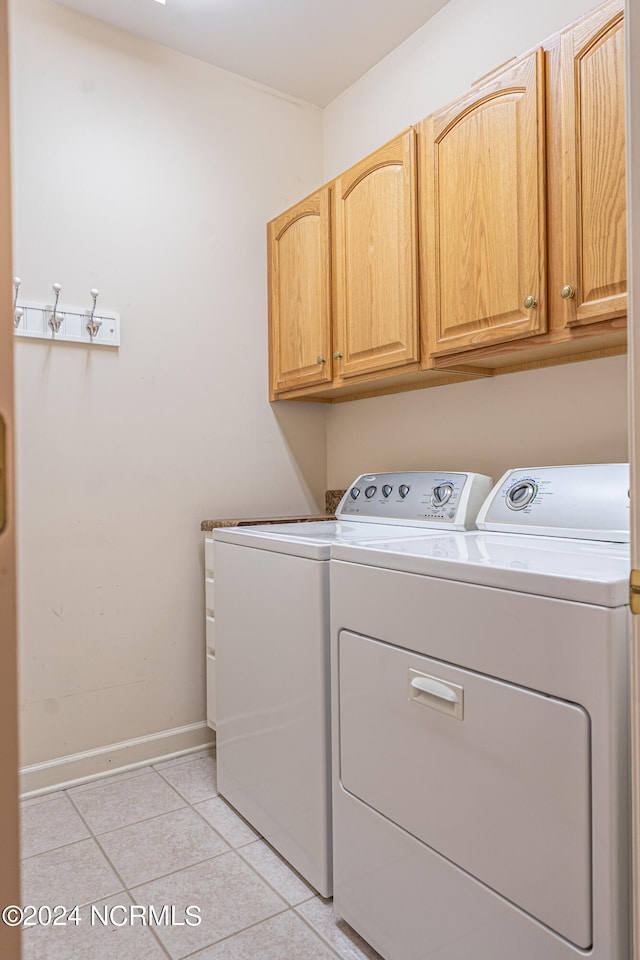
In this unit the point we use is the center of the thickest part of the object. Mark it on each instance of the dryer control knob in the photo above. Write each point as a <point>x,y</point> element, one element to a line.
<point>521,494</point>
<point>369,492</point>
<point>403,490</point>
<point>386,490</point>
<point>355,493</point>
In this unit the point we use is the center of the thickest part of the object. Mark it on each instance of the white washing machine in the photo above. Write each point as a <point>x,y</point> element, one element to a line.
<point>272,651</point>
<point>479,718</point>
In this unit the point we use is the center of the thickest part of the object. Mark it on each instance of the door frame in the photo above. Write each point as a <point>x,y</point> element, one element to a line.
<point>632,58</point>
<point>9,844</point>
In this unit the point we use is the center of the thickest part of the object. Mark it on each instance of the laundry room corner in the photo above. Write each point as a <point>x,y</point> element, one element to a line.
<point>148,175</point>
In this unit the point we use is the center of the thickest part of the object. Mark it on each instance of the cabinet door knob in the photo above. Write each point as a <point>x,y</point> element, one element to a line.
<point>337,355</point>
<point>530,303</point>
<point>320,360</point>
<point>567,292</point>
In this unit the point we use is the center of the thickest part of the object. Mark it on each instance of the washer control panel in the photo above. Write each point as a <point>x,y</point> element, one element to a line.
<point>583,501</point>
<point>428,498</point>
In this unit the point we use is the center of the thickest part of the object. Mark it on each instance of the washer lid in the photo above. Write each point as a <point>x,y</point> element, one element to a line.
<point>580,570</point>
<point>313,540</point>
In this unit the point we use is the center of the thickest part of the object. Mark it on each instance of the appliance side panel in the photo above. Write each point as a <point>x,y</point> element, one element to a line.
<point>272,693</point>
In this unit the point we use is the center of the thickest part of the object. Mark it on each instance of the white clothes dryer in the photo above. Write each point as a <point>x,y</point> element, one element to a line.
<point>272,651</point>
<point>480,715</point>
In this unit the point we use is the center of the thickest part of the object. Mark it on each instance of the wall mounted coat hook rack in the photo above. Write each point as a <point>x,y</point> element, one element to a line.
<point>74,325</point>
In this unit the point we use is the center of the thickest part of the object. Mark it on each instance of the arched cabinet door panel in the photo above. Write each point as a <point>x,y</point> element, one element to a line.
<point>589,273</point>
<point>482,212</point>
<point>299,249</point>
<point>376,323</point>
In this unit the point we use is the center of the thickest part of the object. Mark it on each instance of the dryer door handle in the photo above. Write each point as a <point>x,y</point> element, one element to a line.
<point>435,687</point>
<point>436,693</point>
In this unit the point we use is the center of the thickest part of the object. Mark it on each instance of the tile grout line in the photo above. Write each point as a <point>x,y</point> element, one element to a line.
<point>260,839</point>
<point>291,907</point>
<point>184,803</point>
<point>237,933</point>
<point>186,800</point>
<point>202,817</point>
<point>137,823</point>
<point>121,879</point>
<point>26,803</point>
<point>187,758</point>
<point>257,839</point>
<point>61,846</point>
<point>213,943</point>
<point>107,780</point>
<point>320,935</point>
<point>165,876</point>
<point>288,908</point>
<point>188,805</point>
<point>192,805</point>
<point>133,898</point>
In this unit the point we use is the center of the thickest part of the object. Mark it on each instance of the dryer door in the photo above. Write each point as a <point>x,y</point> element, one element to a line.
<point>493,776</point>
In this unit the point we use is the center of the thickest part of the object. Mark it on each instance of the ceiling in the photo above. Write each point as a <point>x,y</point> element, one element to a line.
<point>309,49</point>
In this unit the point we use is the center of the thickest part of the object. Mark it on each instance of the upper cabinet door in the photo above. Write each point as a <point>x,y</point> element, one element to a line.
<point>592,281</point>
<point>376,261</point>
<point>482,212</point>
<point>299,251</point>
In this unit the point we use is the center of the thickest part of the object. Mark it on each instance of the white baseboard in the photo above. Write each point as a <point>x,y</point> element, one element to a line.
<point>114,758</point>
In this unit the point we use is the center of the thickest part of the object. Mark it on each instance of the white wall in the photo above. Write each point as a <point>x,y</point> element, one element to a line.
<point>572,413</point>
<point>150,176</point>
<point>465,40</point>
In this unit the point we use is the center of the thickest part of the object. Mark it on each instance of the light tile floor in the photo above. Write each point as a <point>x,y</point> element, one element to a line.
<point>161,836</point>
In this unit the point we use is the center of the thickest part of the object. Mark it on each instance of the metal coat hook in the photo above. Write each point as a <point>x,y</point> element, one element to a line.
<point>18,312</point>
<point>93,325</point>
<point>54,320</point>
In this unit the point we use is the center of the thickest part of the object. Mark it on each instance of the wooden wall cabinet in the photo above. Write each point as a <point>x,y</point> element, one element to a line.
<point>482,212</point>
<point>299,275</point>
<point>587,193</point>
<point>344,316</point>
<point>581,311</point>
<point>519,202</point>
<point>375,255</point>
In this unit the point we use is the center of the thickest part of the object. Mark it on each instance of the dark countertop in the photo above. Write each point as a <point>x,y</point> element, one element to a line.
<point>332,499</point>
<point>251,522</point>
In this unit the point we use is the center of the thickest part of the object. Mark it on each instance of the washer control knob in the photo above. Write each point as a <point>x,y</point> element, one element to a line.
<point>386,490</point>
<point>441,494</point>
<point>355,493</point>
<point>369,492</point>
<point>521,494</point>
<point>403,490</point>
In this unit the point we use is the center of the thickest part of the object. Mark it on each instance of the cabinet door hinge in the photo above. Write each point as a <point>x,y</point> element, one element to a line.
<point>634,591</point>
